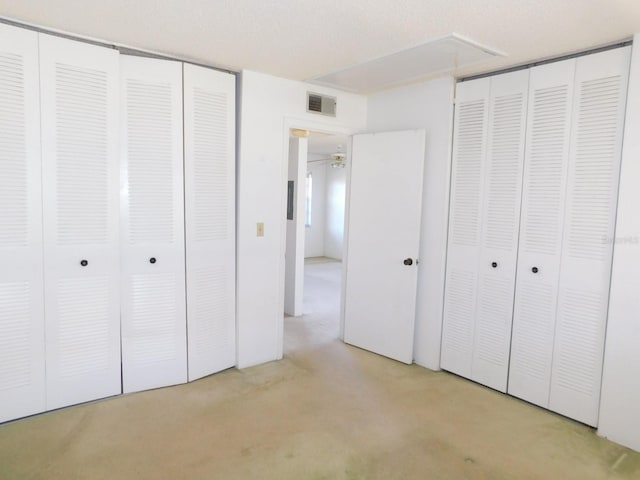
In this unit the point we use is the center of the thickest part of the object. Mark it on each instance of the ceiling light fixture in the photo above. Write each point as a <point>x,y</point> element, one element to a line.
<point>299,133</point>
<point>337,159</point>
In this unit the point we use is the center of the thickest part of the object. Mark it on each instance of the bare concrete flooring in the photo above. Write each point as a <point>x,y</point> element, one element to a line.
<point>327,411</point>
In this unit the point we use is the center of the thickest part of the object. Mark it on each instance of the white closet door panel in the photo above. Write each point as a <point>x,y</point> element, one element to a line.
<point>22,381</point>
<point>592,190</point>
<point>543,199</point>
<point>465,227</point>
<point>209,128</point>
<point>501,220</point>
<point>154,345</point>
<point>79,105</point>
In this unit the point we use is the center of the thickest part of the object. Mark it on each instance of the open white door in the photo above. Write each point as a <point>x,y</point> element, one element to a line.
<point>385,204</point>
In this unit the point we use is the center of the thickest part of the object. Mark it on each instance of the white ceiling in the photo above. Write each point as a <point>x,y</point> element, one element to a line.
<point>303,39</point>
<point>323,144</point>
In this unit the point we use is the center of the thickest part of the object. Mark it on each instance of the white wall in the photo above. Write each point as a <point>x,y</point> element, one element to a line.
<point>430,106</point>
<point>336,180</point>
<point>314,235</point>
<point>269,106</point>
<point>620,397</point>
<point>325,237</point>
<point>295,239</point>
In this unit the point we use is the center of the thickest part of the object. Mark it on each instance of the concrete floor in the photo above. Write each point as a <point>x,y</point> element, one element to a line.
<point>327,411</point>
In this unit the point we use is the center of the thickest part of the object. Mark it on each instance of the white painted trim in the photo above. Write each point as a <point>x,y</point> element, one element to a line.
<point>345,244</point>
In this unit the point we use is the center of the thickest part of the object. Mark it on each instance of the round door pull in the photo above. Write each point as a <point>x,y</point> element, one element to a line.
<point>535,270</point>
<point>408,261</point>
<point>494,264</point>
<point>84,263</point>
<point>152,260</point>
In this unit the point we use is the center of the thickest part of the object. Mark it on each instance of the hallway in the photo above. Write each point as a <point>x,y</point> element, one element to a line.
<point>320,323</point>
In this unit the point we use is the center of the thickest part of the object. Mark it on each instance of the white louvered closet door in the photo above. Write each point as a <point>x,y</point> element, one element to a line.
<point>592,192</point>
<point>465,225</point>
<point>22,380</point>
<point>500,223</point>
<point>209,128</point>
<point>154,345</point>
<point>543,201</point>
<point>79,105</point>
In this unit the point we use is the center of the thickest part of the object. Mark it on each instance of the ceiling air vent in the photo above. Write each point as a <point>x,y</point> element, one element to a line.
<point>321,104</point>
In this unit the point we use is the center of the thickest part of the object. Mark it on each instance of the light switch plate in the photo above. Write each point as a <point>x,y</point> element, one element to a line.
<point>260,229</point>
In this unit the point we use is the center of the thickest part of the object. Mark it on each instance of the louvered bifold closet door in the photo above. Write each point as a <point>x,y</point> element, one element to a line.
<point>209,128</point>
<point>465,227</point>
<point>500,225</point>
<point>79,105</point>
<point>154,344</point>
<point>592,191</point>
<point>543,200</point>
<point>22,381</point>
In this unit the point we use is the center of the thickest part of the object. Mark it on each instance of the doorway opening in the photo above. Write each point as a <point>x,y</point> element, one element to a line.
<point>316,201</point>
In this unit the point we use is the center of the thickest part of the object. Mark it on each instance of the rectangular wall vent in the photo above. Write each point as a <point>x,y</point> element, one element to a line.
<point>322,104</point>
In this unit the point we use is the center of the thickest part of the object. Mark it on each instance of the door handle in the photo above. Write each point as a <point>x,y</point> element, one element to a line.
<point>408,261</point>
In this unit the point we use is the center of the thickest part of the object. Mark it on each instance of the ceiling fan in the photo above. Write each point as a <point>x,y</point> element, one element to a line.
<point>337,159</point>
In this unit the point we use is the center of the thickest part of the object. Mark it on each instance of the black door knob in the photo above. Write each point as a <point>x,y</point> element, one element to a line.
<point>408,261</point>
<point>494,264</point>
<point>152,260</point>
<point>534,269</point>
<point>84,263</point>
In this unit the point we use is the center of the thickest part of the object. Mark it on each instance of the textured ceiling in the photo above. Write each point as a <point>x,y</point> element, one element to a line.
<point>301,39</point>
<point>322,144</point>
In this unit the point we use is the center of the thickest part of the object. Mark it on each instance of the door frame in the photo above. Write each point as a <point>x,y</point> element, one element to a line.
<point>294,260</point>
<point>320,127</point>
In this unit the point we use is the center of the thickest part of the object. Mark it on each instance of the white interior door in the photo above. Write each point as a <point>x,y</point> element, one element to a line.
<point>585,271</point>
<point>383,239</point>
<point>543,201</point>
<point>209,147</point>
<point>488,156</point>
<point>22,368</point>
<point>500,228</point>
<point>79,108</point>
<point>154,344</point>
<point>465,225</point>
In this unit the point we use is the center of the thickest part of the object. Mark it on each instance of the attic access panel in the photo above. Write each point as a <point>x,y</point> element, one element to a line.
<point>443,55</point>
